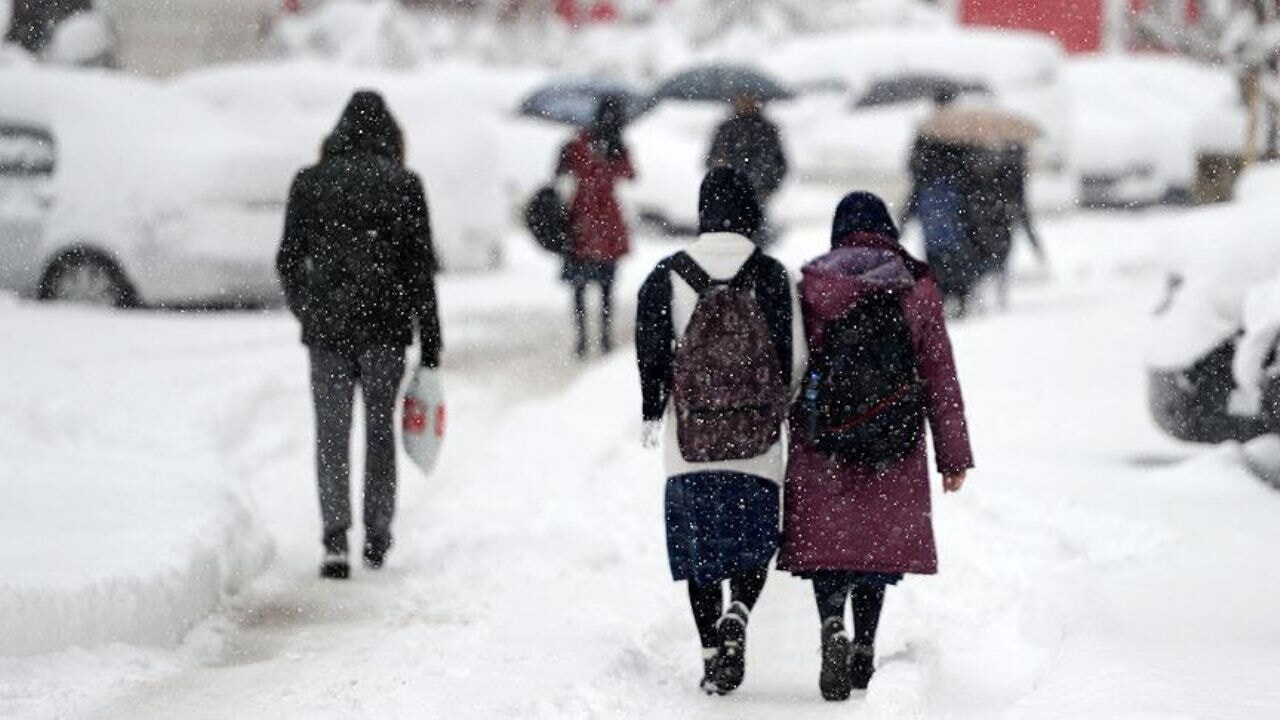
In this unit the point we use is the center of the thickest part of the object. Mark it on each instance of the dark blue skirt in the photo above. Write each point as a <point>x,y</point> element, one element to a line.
<point>720,524</point>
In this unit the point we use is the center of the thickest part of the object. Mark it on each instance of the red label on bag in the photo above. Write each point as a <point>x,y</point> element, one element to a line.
<point>415,416</point>
<point>440,414</point>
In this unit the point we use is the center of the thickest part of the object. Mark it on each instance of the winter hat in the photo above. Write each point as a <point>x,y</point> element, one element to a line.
<point>862,212</point>
<point>727,203</point>
<point>366,125</point>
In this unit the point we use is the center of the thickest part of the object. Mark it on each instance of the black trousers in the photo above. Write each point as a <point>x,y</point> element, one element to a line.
<point>334,376</point>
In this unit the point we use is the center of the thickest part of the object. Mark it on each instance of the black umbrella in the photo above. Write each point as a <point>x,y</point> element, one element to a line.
<point>909,88</point>
<point>722,83</point>
<point>574,101</point>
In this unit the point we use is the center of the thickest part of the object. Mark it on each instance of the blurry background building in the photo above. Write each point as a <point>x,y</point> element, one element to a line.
<point>141,36</point>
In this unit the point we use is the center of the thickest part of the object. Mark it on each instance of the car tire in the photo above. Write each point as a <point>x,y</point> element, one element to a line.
<point>87,277</point>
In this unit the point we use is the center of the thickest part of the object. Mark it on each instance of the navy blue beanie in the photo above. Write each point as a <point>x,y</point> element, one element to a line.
<point>862,212</point>
<point>727,203</point>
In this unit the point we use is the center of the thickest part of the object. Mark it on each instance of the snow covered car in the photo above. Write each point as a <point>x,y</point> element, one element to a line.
<point>1139,123</point>
<point>1211,361</point>
<point>448,116</point>
<point>150,195</point>
<point>114,192</point>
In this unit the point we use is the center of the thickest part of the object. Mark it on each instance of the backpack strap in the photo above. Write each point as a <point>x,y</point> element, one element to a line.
<point>773,292</point>
<point>691,272</point>
<point>749,274</point>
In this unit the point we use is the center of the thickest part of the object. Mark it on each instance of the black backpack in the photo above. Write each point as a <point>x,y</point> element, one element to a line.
<point>863,398</point>
<point>547,219</point>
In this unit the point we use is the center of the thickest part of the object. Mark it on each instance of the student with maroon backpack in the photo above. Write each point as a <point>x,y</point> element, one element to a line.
<point>858,510</point>
<point>719,342</point>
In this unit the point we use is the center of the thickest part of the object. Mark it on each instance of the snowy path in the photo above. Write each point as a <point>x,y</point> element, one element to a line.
<point>1092,568</point>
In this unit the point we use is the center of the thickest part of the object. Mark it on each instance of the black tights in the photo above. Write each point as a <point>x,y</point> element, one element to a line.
<point>606,314</point>
<point>831,589</point>
<point>708,601</point>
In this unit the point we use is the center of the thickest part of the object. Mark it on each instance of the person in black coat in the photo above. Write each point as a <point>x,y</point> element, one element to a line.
<point>357,267</point>
<point>997,208</point>
<point>751,144</point>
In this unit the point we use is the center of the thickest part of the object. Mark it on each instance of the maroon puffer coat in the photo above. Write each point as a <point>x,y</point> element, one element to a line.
<point>847,517</point>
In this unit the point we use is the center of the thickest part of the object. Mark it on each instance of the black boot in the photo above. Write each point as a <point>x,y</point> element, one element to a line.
<point>835,681</point>
<point>709,667</point>
<point>732,628</point>
<point>375,552</point>
<point>862,665</point>
<point>335,565</point>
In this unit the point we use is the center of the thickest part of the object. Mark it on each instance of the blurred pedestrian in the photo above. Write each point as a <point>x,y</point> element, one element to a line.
<point>357,267</point>
<point>997,208</point>
<point>719,342</point>
<point>940,199</point>
<point>857,500</point>
<point>596,159</point>
<point>750,143</point>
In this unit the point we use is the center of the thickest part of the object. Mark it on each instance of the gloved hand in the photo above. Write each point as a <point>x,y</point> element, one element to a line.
<point>651,434</point>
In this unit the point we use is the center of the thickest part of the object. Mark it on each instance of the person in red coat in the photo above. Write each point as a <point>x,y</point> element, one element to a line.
<point>596,159</point>
<point>851,529</point>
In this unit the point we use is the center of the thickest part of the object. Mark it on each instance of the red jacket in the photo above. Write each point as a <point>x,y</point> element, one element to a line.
<point>847,517</point>
<point>599,230</point>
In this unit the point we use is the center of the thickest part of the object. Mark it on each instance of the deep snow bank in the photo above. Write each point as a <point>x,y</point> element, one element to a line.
<point>136,558</point>
<point>123,518</point>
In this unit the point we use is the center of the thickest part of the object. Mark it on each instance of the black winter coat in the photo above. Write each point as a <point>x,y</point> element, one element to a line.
<point>356,262</point>
<point>751,144</point>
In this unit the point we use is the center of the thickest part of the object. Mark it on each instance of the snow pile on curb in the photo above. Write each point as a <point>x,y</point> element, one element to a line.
<point>137,561</point>
<point>124,518</point>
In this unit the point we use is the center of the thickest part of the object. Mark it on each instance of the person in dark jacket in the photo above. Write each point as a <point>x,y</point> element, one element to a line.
<point>596,159</point>
<point>751,144</point>
<point>941,170</point>
<point>357,267</point>
<point>855,529</point>
<point>721,517</point>
<point>997,209</point>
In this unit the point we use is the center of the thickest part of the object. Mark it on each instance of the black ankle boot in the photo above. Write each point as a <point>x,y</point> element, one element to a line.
<point>709,667</point>
<point>375,552</point>
<point>835,681</point>
<point>732,628</point>
<point>862,665</point>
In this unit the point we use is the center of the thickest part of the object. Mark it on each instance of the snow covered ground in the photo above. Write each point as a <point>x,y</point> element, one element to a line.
<point>1092,568</point>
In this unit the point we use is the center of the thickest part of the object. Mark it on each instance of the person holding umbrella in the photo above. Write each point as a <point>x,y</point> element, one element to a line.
<point>596,159</point>
<point>751,144</point>
<point>968,169</point>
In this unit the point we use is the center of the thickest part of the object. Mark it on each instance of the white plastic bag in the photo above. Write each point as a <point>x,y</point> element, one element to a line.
<point>422,421</point>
